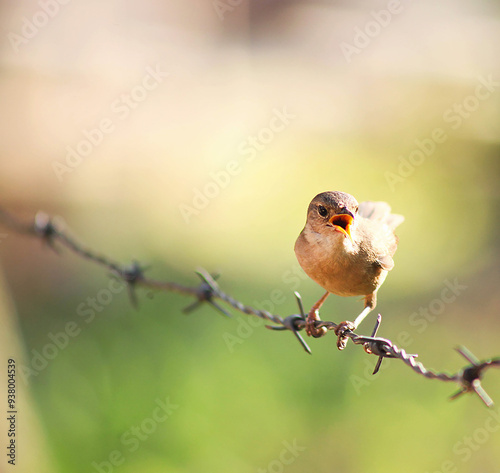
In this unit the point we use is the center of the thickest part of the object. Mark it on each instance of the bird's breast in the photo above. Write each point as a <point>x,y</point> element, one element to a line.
<point>337,264</point>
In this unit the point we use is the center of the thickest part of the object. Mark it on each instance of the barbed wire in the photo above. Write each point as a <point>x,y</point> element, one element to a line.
<point>208,291</point>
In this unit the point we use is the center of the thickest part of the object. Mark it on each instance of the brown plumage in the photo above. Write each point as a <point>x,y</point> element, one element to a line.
<point>347,248</point>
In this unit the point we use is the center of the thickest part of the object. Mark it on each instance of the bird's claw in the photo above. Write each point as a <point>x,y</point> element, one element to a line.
<point>311,328</point>
<point>341,331</point>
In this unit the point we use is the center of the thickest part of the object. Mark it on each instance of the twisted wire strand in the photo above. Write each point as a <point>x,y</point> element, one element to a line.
<point>239,306</point>
<point>419,368</point>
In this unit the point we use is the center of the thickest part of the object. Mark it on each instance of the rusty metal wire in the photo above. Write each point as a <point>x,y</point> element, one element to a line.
<point>208,291</point>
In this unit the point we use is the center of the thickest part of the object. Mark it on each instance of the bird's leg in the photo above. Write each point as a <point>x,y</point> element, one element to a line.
<point>343,327</point>
<point>313,317</point>
<point>362,316</point>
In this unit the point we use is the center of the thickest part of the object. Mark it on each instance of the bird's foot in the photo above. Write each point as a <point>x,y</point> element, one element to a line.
<point>341,331</point>
<point>311,328</point>
<point>313,317</point>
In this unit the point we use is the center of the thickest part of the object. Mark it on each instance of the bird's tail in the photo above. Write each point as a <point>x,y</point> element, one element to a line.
<point>380,212</point>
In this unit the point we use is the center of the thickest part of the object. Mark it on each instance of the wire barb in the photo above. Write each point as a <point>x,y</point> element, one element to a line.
<point>132,275</point>
<point>207,291</point>
<point>469,378</point>
<point>44,227</point>
<point>294,323</point>
<point>381,347</point>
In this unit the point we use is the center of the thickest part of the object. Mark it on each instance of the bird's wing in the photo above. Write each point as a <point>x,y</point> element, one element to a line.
<point>380,212</point>
<point>382,223</point>
<point>385,262</point>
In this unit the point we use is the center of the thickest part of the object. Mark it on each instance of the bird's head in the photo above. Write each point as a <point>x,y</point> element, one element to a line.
<point>331,212</point>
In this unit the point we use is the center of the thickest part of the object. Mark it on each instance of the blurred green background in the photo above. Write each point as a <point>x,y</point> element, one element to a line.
<point>257,107</point>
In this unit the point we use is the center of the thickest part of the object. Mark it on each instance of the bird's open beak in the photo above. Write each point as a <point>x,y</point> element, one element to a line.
<point>342,223</point>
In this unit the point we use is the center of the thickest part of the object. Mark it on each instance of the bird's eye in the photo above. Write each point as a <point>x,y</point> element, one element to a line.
<point>322,211</point>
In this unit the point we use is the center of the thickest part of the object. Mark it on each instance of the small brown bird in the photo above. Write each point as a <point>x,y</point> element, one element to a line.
<point>347,249</point>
